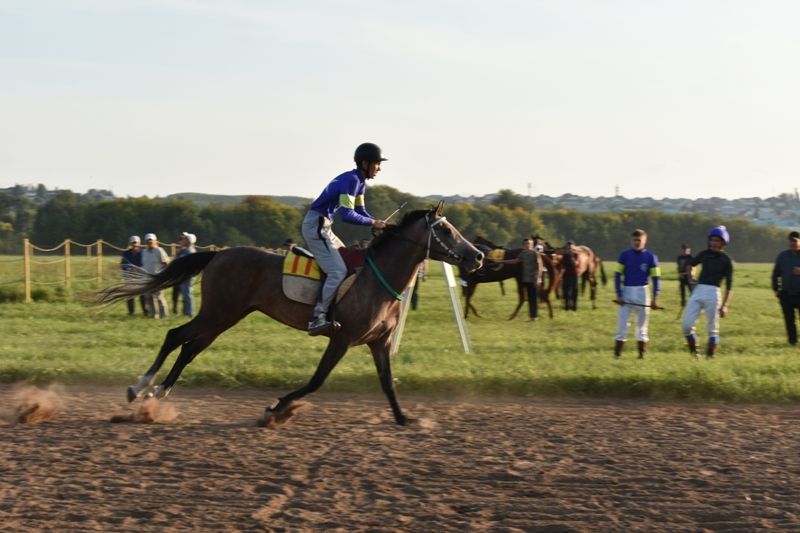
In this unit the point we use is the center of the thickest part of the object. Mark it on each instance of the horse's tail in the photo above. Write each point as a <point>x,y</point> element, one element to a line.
<point>603,277</point>
<point>139,282</point>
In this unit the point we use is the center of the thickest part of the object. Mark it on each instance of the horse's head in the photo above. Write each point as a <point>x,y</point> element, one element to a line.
<point>445,242</point>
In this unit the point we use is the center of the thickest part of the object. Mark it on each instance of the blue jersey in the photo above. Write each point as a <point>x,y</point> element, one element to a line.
<point>636,268</point>
<point>345,194</point>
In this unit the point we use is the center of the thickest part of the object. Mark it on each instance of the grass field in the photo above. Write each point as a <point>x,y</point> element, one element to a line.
<point>570,355</point>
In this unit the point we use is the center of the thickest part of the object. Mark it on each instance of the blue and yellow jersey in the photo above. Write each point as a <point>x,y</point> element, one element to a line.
<point>345,194</point>
<point>635,268</point>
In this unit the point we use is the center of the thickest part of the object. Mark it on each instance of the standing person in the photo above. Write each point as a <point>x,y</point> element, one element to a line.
<point>685,276</point>
<point>154,259</point>
<point>635,267</point>
<point>716,267</point>
<point>131,260</point>
<point>786,284</point>
<point>186,242</point>
<point>345,194</point>
<point>569,282</point>
<point>531,277</point>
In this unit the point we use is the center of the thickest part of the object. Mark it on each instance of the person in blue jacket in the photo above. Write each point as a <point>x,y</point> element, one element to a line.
<point>635,268</point>
<point>345,195</point>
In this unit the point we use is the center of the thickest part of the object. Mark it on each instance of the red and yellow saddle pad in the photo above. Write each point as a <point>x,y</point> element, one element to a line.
<point>498,254</point>
<point>304,267</point>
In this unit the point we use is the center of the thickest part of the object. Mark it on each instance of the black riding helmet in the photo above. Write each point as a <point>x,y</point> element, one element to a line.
<point>368,152</point>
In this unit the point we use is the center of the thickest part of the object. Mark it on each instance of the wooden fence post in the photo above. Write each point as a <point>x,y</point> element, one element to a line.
<point>26,261</point>
<point>172,250</point>
<point>67,264</point>
<point>99,261</point>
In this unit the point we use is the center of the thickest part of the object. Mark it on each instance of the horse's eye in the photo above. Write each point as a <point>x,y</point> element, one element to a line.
<point>447,231</point>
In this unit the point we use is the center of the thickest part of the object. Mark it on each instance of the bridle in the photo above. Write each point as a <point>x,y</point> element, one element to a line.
<point>433,235</point>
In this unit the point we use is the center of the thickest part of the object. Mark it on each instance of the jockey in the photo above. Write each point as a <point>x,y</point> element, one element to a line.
<point>345,194</point>
<point>716,268</point>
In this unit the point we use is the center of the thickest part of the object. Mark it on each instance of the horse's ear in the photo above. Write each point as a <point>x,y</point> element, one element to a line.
<point>439,208</point>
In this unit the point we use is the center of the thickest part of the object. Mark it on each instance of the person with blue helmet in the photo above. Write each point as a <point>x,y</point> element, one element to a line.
<point>717,267</point>
<point>345,195</point>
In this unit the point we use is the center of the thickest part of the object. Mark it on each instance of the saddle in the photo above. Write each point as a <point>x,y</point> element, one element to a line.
<point>302,277</point>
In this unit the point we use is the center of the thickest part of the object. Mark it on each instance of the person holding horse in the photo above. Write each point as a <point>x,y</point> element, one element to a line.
<point>635,268</point>
<point>531,276</point>
<point>716,267</point>
<point>569,281</point>
<point>345,195</point>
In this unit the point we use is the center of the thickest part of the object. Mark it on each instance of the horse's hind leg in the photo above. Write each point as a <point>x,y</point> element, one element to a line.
<point>175,337</point>
<point>380,353</point>
<point>336,349</point>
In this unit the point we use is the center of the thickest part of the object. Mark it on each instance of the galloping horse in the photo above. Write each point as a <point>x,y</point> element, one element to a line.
<point>500,270</point>
<point>587,264</point>
<point>241,280</point>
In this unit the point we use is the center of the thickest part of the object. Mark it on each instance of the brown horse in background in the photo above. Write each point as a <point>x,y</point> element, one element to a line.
<point>241,280</point>
<point>587,263</point>
<point>499,270</point>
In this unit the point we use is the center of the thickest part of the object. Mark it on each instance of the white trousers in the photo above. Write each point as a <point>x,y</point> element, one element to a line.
<point>704,298</point>
<point>634,295</point>
<point>324,244</point>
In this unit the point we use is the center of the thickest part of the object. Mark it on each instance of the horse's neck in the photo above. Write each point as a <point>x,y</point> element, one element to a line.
<point>398,261</point>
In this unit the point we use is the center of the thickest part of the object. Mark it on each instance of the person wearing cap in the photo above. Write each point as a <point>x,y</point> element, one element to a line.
<point>186,241</point>
<point>345,195</point>
<point>717,267</point>
<point>569,280</point>
<point>132,260</point>
<point>636,267</point>
<point>786,284</point>
<point>154,259</point>
<point>685,273</point>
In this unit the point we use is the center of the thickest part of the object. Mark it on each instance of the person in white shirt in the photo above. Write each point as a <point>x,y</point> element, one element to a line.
<point>154,259</point>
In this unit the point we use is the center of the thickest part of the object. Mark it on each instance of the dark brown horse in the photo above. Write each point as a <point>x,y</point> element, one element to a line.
<point>499,270</point>
<point>241,280</point>
<point>587,264</point>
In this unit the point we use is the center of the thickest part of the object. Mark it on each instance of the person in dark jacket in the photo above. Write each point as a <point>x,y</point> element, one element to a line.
<point>786,284</point>
<point>685,273</point>
<point>131,260</point>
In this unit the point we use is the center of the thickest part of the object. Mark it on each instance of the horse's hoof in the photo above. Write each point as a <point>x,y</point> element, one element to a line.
<point>132,394</point>
<point>273,417</point>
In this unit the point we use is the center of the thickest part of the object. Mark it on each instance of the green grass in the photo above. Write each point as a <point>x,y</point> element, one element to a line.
<point>567,356</point>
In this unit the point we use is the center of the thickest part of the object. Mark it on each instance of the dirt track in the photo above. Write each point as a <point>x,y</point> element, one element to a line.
<point>342,464</point>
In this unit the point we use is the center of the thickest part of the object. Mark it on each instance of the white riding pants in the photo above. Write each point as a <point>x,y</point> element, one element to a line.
<point>635,295</point>
<point>704,298</point>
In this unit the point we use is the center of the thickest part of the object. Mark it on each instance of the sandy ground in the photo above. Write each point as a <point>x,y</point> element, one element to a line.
<point>342,464</point>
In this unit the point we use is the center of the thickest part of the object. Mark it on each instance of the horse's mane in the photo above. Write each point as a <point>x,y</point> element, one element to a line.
<point>393,230</point>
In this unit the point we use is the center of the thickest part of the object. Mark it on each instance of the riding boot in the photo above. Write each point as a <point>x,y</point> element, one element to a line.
<point>618,348</point>
<point>711,349</point>
<point>691,341</point>
<point>642,349</point>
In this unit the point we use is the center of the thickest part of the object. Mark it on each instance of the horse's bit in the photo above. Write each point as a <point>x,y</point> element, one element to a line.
<point>432,234</point>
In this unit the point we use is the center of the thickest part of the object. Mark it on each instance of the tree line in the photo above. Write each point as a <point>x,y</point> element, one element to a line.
<point>262,221</point>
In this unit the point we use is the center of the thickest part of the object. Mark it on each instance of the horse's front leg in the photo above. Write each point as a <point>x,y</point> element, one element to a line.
<point>283,410</point>
<point>380,353</point>
<point>175,337</point>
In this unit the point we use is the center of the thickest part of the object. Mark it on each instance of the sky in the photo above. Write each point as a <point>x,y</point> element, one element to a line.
<point>660,98</point>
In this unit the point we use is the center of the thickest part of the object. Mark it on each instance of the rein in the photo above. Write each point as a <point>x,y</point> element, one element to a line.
<point>431,236</point>
<point>374,267</point>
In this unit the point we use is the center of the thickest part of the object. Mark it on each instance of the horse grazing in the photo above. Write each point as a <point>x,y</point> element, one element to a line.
<point>587,264</point>
<point>240,280</point>
<point>499,270</point>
